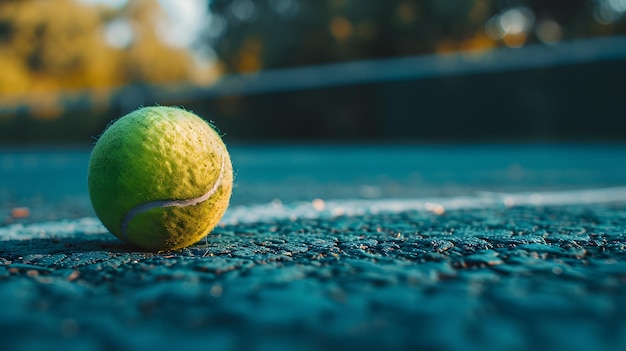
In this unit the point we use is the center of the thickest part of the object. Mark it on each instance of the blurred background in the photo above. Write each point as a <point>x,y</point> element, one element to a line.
<point>318,70</point>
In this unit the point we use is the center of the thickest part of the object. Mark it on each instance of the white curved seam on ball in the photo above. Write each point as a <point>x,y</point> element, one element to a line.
<point>170,203</point>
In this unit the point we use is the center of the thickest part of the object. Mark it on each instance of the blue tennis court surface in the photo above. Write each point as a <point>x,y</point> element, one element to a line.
<point>492,247</point>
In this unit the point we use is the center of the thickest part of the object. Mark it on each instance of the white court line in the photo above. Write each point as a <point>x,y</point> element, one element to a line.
<point>356,207</point>
<point>276,210</point>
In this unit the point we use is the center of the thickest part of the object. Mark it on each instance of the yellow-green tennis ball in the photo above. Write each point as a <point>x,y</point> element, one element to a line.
<point>160,178</point>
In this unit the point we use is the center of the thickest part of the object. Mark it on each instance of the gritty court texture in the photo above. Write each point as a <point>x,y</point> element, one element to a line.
<point>435,248</point>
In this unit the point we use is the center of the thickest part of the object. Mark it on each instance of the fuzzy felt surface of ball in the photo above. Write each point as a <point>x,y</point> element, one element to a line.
<point>160,178</point>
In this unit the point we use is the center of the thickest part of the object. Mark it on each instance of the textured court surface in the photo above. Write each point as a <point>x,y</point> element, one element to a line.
<point>495,278</point>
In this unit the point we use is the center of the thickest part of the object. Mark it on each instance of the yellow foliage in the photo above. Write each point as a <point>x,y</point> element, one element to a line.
<point>59,45</point>
<point>476,43</point>
<point>341,28</point>
<point>15,77</point>
<point>249,56</point>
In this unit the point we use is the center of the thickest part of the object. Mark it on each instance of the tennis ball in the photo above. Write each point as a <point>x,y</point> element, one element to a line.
<point>160,178</point>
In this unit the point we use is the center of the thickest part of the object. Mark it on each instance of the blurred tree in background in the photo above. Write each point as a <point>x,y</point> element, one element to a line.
<point>55,47</point>
<point>68,44</point>
<point>250,35</point>
<point>100,58</point>
<point>283,33</point>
